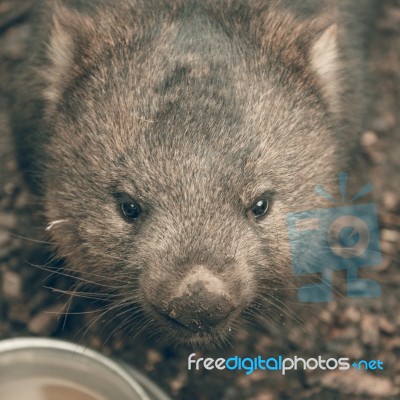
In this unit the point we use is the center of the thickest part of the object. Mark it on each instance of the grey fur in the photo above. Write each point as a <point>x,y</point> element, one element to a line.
<point>195,109</point>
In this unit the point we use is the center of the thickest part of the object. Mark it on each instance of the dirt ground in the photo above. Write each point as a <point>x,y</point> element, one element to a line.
<point>31,302</point>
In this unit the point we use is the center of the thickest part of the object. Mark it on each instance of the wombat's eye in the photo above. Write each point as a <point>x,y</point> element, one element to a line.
<point>260,207</point>
<point>130,209</point>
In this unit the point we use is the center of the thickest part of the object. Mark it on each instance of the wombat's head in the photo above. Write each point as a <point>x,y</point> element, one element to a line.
<point>181,138</point>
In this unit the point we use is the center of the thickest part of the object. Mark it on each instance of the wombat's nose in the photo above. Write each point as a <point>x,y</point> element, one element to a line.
<point>200,310</point>
<point>202,302</point>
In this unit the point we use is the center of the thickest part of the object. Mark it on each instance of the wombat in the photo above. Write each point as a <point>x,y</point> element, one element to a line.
<point>168,139</point>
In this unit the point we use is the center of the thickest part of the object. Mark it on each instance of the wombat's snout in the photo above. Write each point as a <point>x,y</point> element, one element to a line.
<point>202,302</point>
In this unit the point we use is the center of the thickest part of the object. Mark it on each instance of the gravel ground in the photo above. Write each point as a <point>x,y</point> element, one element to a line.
<point>31,302</point>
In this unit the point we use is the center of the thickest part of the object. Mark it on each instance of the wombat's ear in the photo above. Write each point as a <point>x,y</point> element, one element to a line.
<point>68,28</point>
<point>325,61</point>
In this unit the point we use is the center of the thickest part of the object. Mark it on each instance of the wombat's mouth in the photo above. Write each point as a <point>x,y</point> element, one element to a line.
<point>194,330</point>
<point>177,324</point>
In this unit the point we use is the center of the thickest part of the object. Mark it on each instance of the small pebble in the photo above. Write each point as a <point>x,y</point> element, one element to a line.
<point>5,7</point>
<point>153,358</point>
<point>22,201</point>
<point>393,344</point>
<point>256,376</point>
<point>369,331</point>
<point>391,201</point>
<point>4,239</point>
<point>96,342</point>
<point>385,122</point>
<point>390,236</point>
<point>386,326</point>
<point>178,382</point>
<point>8,221</point>
<point>11,285</point>
<point>369,139</point>
<point>378,157</point>
<point>264,395</point>
<point>12,165</point>
<point>45,322</point>
<point>388,248</point>
<point>351,314</point>
<point>243,381</point>
<point>10,188</point>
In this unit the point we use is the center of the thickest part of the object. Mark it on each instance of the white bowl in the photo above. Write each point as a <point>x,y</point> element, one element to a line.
<point>49,369</point>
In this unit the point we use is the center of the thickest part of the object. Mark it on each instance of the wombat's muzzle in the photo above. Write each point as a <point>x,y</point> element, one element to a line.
<point>202,302</point>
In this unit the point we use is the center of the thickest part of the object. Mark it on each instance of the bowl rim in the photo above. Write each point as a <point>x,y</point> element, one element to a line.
<point>33,343</point>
